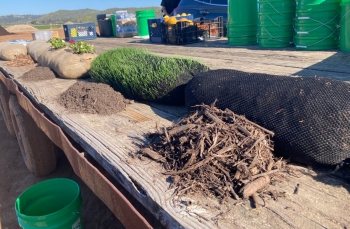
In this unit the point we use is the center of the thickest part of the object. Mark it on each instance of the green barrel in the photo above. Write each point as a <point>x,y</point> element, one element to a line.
<point>242,22</point>
<point>345,26</point>
<point>316,24</point>
<point>114,25</point>
<point>275,26</point>
<point>50,204</point>
<point>142,17</point>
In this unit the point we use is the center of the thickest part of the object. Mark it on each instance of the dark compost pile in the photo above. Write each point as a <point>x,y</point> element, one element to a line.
<point>216,152</point>
<point>93,98</point>
<point>39,73</point>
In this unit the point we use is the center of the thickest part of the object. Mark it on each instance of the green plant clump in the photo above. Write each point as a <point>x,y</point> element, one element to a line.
<point>57,43</point>
<point>79,47</point>
<point>141,75</point>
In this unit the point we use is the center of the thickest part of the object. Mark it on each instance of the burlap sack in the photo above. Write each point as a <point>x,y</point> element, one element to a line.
<point>62,61</point>
<point>36,48</point>
<point>9,51</point>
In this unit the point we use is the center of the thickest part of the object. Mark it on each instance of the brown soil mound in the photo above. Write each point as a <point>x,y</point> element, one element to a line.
<point>20,28</point>
<point>21,60</point>
<point>93,98</point>
<point>3,31</point>
<point>39,73</point>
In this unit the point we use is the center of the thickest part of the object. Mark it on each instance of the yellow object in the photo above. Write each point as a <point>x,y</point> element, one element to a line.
<point>190,22</point>
<point>188,14</point>
<point>178,15</point>
<point>154,25</point>
<point>166,19</point>
<point>73,33</point>
<point>183,19</point>
<point>172,21</point>
<point>183,14</point>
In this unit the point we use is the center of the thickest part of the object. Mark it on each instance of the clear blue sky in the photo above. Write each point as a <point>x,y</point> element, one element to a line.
<point>47,6</point>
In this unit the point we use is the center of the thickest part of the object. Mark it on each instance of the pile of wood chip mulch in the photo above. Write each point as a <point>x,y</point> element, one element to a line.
<point>217,153</point>
<point>21,60</point>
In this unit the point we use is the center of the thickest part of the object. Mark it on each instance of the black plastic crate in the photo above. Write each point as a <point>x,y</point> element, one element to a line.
<point>180,34</point>
<point>155,29</point>
<point>81,31</point>
<point>209,29</point>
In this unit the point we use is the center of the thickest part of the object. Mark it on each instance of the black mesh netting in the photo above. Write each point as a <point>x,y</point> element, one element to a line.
<point>310,116</point>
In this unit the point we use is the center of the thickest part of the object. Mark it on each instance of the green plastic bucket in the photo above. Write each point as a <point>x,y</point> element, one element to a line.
<point>316,24</point>
<point>314,43</point>
<point>278,19</point>
<point>313,29</point>
<point>321,7</point>
<point>275,29</point>
<point>276,42</point>
<point>267,31</point>
<point>142,17</point>
<point>114,25</point>
<point>345,26</point>
<point>51,204</point>
<point>242,22</point>
<point>240,35</point>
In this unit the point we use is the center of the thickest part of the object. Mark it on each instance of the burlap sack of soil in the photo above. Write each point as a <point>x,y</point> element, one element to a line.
<point>9,51</point>
<point>36,48</point>
<point>310,116</point>
<point>62,61</point>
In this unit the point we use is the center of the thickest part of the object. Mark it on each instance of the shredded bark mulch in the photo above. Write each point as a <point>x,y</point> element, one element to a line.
<point>3,31</point>
<point>93,98</point>
<point>39,73</point>
<point>217,153</point>
<point>21,60</point>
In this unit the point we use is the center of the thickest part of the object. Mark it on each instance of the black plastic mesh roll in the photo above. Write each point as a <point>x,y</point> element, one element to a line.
<point>310,116</point>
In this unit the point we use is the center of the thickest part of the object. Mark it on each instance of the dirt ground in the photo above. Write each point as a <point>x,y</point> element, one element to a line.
<point>15,178</point>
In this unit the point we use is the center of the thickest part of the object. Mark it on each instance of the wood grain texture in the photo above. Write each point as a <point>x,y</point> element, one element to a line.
<point>322,201</point>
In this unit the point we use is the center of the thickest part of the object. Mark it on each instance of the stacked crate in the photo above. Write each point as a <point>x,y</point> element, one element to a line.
<point>184,31</point>
<point>81,31</point>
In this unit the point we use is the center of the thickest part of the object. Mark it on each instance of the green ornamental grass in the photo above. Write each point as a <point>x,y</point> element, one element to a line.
<point>141,75</point>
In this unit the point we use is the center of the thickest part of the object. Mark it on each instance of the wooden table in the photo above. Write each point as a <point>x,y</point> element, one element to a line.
<point>323,200</point>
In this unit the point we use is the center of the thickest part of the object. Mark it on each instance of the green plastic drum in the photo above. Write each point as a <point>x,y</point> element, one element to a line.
<point>313,29</point>
<point>314,43</point>
<point>51,204</point>
<point>275,29</point>
<point>276,42</point>
<point>316,24</point>
<point>345,26</point>
<point>242,22</point>
<point>142,17</point>
<point>114,25</point>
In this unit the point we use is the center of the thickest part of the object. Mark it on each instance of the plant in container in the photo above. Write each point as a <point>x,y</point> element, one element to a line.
<point>57,43</point>
<point>81,47</point>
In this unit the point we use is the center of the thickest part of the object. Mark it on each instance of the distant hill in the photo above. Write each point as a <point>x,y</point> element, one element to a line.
<point>18,19</point>
<point>62,16</point>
